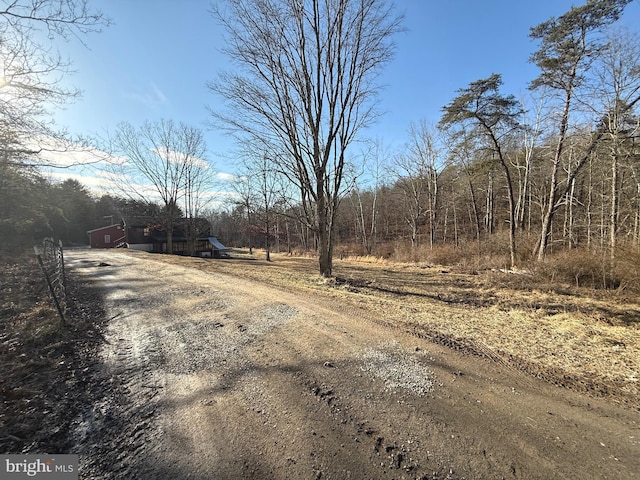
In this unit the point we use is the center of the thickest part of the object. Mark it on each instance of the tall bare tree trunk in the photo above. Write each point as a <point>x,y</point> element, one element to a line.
<point>636,225</point>
<point>488,219</point>
<point>568,215</point>
<point>552,197</point>
<point>455,218</point>
<point>590,205</point>
<point>474,205</point>
<point>613,215</point>
<point>603,214</point>
<point>288,234</point>
<point>325,240</point>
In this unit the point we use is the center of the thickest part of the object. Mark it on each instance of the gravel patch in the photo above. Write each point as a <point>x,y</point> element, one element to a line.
<point>202,345</point>
<point>205,344</point>
<point>391,364</point>
<point>271,317</point>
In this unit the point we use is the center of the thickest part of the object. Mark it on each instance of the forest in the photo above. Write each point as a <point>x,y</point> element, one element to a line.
<point>549,182</point>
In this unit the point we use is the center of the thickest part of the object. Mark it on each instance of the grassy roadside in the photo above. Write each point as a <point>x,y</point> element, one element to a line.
<point>44,367</point>
<point>578,338</point>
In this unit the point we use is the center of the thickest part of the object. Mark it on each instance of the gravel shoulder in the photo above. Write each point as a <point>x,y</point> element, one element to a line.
<point>215,376</point>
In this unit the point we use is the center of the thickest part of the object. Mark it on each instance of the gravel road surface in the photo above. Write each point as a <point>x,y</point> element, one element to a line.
<point>206,376</point>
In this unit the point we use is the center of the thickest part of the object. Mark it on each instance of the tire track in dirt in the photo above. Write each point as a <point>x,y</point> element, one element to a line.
<point>525,368</point>
<point>341,433</point>
<point>116,434</point>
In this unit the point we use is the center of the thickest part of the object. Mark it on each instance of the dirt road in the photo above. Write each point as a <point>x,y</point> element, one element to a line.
<point>213,377</point>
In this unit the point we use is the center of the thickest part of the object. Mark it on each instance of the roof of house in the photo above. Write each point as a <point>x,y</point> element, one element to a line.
<point>104,228</point>
<point>216,243</point>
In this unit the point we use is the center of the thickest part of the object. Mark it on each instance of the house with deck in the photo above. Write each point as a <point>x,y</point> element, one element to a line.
<point>151,237</point>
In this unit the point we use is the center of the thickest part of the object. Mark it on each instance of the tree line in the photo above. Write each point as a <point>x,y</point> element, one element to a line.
<point>522,178</point>
<point>34,207</point>
<point>556,169</point>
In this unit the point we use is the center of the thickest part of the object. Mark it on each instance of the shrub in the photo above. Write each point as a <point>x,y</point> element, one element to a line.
<point>582,268</point>
<point>626,268</point>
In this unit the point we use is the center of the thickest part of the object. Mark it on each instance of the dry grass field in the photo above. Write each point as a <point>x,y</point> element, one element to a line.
<point>580,338</point>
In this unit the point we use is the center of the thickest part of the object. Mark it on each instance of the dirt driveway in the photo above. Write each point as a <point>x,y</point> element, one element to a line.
<point>214,377</point>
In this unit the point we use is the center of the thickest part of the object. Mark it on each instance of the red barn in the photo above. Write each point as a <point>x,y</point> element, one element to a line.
<point>107,237</point>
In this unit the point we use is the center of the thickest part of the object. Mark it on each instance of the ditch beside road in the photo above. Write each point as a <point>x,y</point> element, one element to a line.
<point>208,375</point>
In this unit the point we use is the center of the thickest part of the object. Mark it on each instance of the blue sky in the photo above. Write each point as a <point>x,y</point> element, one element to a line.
<point>155,60</point>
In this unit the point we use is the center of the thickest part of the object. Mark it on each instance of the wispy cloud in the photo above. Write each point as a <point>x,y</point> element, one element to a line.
<point>227,177</point>
<point>94,183</point>
<point>112,177</point>
<point>177,157</point>
<point>151,97</point>
<point>103,182</point>
<point>157,93</point>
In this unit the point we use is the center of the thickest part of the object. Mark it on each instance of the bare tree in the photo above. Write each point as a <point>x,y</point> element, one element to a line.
<point>412,184</point>
<point>617,73</point>
<point>31,71</point>
<point>305,85</point>
<point>462,149</point>
<point>198,185</point>
<point>164,162</point>
<point>416,171</point>
<point>246,199</point>
<point>365,202</point>
<point>425,150</point>
<point>531,133</point>
<point>260,188</point>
